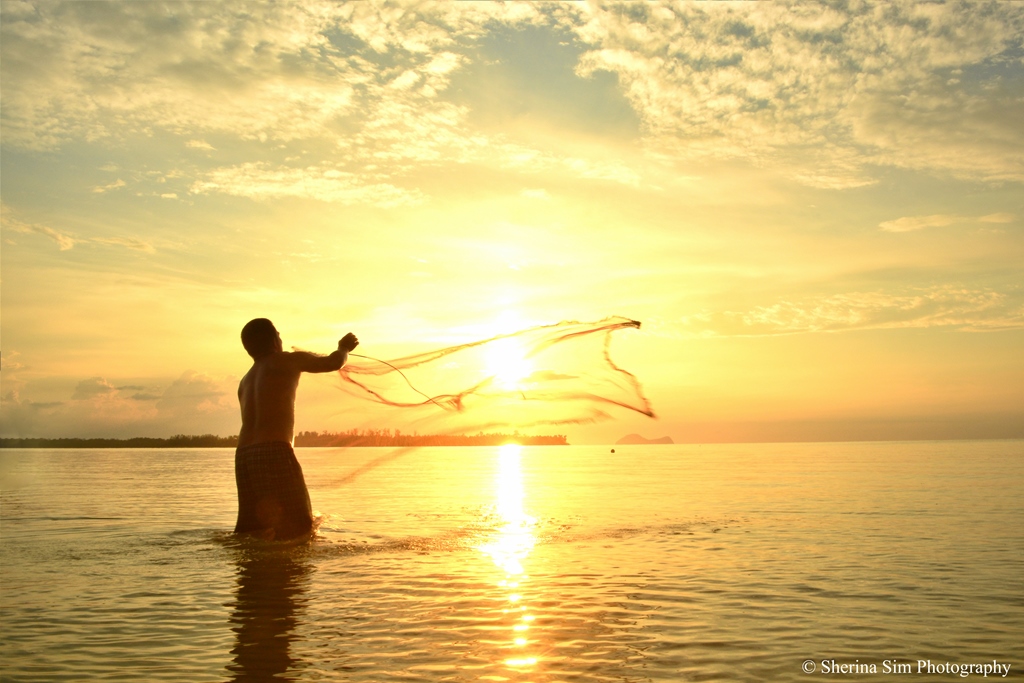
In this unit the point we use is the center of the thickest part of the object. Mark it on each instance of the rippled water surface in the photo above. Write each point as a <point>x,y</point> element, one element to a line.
<point>667,563</point>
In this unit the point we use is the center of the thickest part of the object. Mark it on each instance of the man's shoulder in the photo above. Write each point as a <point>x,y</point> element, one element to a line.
<point>291,359</point>
<point>275,363</point>
<point>274,359</point>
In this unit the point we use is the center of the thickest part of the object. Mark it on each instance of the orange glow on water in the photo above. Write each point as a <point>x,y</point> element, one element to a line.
<point>514,541</point>
<point>524,661</point>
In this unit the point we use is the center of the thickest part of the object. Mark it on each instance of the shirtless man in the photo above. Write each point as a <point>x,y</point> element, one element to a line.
<point>273,502</point>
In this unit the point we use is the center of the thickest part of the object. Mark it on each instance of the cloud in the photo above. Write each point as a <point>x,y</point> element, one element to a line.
<point>17,418</point>
<point>10,361</point>
<point>80,71</point>
<point>194,403</point>
<point>826,91</point>
<point>126,242</point>
<point>66,241</point>
<point>823,93</point>
<point>91,388</point>
<point>117,184</point>
<point>549,376</point>
<point>63,240</point>
<point>364,83</point>
<point>332,183</point>
<point>261,72</point>
<point>46,404</point>
<point>951,306</point>
<point>264,181</point>
<point>998,218</point>
<point>910,223</point>
<point>194,394</point>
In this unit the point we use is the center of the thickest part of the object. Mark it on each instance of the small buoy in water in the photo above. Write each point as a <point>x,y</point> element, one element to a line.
<point>613,450</point>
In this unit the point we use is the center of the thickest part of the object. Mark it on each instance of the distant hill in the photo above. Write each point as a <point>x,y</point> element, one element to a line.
<point>633,439</point>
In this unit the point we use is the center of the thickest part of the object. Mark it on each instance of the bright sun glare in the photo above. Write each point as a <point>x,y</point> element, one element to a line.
<point>506,362</point>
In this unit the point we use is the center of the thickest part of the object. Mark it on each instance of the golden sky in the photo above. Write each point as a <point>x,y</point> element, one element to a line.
<point>815,211</point>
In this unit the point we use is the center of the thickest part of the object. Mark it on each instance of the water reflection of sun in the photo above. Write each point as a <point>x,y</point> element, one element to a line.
<point>514,542</point>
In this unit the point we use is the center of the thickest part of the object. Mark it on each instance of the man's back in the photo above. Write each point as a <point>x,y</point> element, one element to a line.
<point>266,396</point>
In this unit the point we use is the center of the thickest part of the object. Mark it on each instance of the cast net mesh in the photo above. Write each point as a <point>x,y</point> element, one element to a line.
<point>548,375</point>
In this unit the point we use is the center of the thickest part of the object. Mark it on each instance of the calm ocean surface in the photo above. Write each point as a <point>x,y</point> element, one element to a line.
<point>657,563</point>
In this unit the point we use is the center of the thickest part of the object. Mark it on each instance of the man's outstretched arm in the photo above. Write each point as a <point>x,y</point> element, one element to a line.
<point>311,362</point>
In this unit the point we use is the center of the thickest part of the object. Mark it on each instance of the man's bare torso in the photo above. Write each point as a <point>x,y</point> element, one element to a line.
<point>266,394</point>
<point>267,398</point>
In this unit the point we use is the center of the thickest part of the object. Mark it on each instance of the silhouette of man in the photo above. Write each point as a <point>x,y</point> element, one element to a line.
<point>273,502</point>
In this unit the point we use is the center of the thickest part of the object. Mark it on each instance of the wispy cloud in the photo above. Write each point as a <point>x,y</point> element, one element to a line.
<point>117,184</point>
<point>970,309</point>
<point>912,223</point>
<point>66,240</point>
<point>263,181</point>
<point>998,218</point>
<point>132,243</point>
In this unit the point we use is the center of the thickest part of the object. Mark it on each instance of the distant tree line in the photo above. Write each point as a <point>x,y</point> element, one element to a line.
<point>385,437</point>
<point>351,438</point>
<point>176,441</point>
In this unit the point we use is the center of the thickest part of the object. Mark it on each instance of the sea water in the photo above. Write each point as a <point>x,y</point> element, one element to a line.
<point>653,563</point>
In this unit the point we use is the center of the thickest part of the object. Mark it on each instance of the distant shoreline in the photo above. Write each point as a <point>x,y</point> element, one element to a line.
<point>352,439</point>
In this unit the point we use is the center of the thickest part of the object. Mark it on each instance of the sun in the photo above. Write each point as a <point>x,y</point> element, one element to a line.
<point>507,363</point>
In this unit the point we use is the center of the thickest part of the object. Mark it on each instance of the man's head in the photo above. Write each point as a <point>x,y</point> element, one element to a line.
<point>260,338</point>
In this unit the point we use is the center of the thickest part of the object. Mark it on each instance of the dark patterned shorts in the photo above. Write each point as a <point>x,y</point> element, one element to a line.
<point>272,498</point>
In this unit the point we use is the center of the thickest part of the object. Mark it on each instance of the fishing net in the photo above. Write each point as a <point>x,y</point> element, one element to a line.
<point>547,375</point>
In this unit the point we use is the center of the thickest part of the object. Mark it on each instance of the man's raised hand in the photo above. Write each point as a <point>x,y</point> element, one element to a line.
<point>348,342</point>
